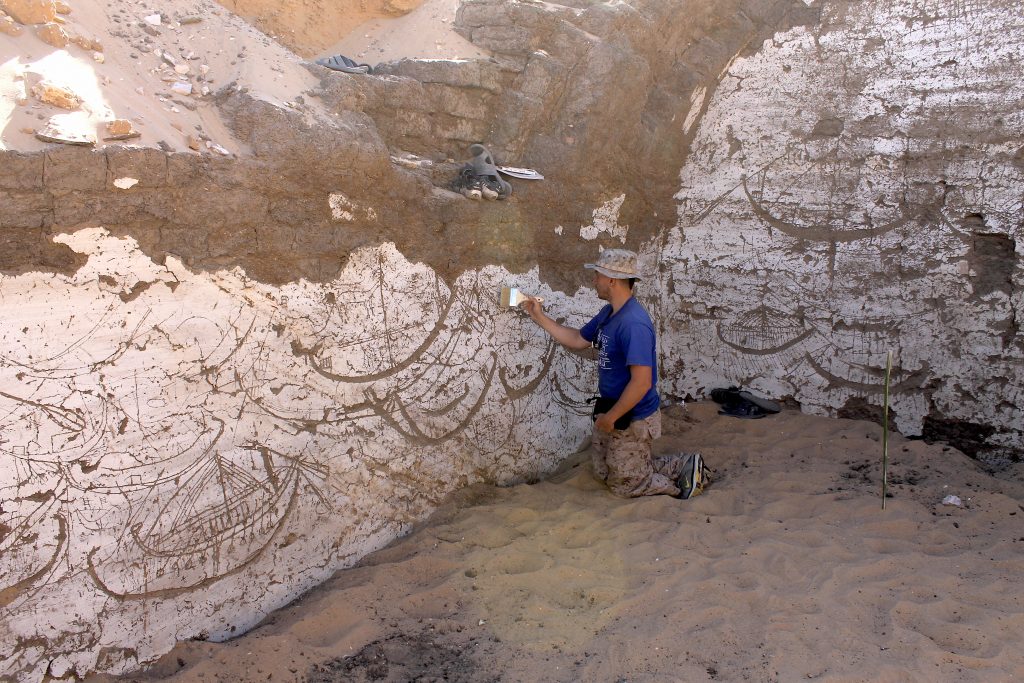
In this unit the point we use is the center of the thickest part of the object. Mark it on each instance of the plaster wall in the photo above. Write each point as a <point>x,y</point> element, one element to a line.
<point>183,452</point>
<point>856,187</point>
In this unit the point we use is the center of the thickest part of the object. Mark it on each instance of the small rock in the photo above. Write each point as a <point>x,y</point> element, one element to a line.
<point>952,500</point>
<point>181,88</point>
<point>53,34</point>
<point>218,149</point>
<point>31,11</point>
<point>192,19</point>
<point>126,183</point>
<point>9,26</point>
<point>152,19</point>
<point>57,96</point>
<point>181,69</point>
<point>98,56</point>
<point>59,129</point>
<point>193,143</point>
<point>87,43</point>
<point>62,7</point>
<point>20,96</point>
<point>121,129</point>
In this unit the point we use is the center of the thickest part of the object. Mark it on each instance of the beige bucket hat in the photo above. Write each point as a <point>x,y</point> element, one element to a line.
<point>616,263</point>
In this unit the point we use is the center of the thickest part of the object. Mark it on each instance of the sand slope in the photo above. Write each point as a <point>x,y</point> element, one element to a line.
<point>786,569</point>
<point>425,32</point>
<point>136,78</point>
<point>308,26</point>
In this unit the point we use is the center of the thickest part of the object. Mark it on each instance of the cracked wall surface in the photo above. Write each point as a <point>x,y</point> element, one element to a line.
<point>180,447</point>
<point>854,188</point>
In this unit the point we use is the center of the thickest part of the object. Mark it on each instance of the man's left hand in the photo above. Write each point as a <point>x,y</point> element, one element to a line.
<point>605,423</point>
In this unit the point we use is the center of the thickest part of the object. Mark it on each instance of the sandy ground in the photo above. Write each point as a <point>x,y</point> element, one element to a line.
<point>424,32</point>
<point>785,569</point>
<point>145,69</point>
<point>160,65</point>
<point>310,26</point>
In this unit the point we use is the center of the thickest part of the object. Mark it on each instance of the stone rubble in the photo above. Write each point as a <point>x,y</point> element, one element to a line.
<point>120,129</point>
<point>30,12</point>
<point>60,129</point>
<point>58,96</point>
<point>53,34</point>
<point>9,26</point>
<point>176,37</point>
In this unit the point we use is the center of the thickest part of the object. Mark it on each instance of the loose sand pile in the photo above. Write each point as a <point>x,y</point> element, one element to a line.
<point>375,30</point>
<point>425,32</point>
<point>786,569</point>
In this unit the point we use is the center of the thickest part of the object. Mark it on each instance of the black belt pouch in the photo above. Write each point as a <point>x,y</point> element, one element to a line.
<point>602,405</point>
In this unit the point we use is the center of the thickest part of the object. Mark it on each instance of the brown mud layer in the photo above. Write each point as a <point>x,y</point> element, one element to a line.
<point>592,97</point>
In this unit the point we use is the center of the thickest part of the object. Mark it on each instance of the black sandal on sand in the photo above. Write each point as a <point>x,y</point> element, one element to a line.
<point>765,404</point>
<point>743,404</point>
<point>745,411</point>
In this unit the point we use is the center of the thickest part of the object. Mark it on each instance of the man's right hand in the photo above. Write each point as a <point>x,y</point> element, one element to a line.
<point>532,306</point>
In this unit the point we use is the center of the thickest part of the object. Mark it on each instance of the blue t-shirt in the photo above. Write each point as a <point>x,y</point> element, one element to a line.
<point>621,340</point>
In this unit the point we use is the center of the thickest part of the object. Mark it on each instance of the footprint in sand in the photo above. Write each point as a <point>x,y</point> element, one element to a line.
<point>953,627</point>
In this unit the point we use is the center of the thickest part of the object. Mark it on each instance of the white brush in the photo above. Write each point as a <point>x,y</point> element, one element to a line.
<point>510,296</point>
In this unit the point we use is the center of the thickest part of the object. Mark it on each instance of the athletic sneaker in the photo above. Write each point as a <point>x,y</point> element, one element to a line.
<point>489,188</point>
<point>473,189</point>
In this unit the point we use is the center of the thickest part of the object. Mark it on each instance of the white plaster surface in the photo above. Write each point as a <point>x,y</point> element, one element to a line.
<point>606,219</point>
<point>183,453</point>
<point>845,190</point>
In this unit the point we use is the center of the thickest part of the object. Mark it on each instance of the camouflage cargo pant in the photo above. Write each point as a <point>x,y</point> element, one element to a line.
<point>623,460</point>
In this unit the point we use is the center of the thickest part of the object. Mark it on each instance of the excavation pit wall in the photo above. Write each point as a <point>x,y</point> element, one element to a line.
<point>238,375</point>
